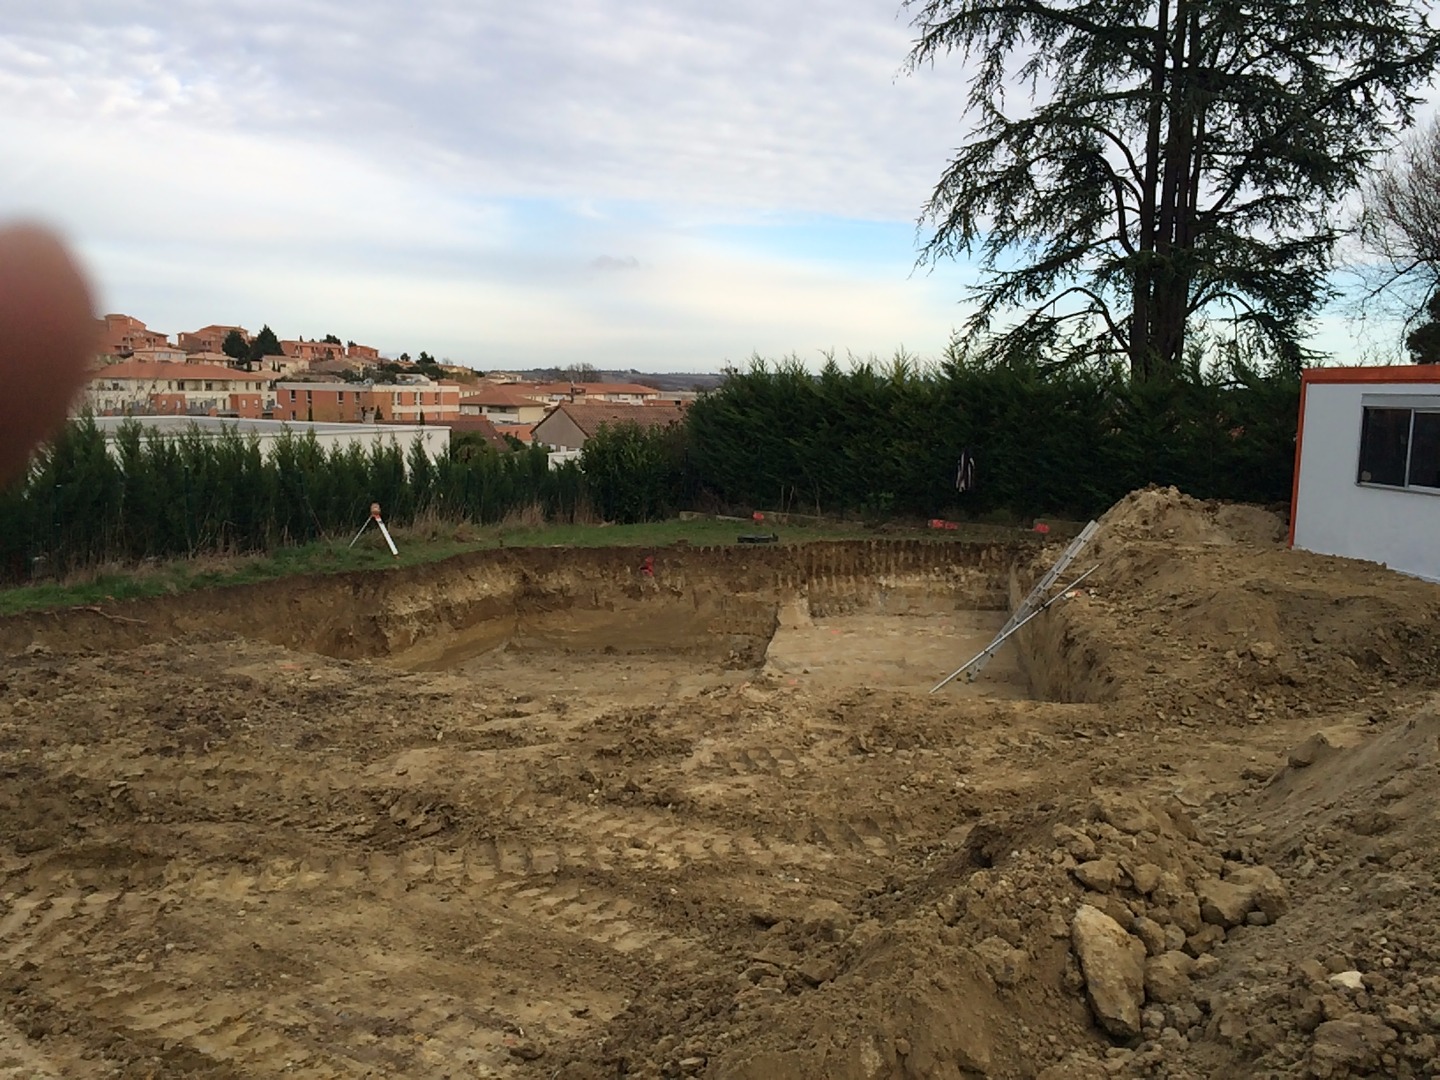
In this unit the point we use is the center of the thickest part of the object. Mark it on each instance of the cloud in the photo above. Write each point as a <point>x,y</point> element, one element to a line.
<point>741,102</point>
<point>610,264</point>
<point>444,172</point>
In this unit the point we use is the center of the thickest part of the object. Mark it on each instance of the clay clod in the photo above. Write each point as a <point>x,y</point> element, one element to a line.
<point>1113,964</point>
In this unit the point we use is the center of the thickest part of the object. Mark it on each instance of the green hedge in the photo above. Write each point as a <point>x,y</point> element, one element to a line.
<point>160,497</point>
<point>886,439</point>
<point>872,440</point>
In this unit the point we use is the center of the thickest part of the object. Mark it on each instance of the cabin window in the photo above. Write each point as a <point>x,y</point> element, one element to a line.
<point>1400,448</point>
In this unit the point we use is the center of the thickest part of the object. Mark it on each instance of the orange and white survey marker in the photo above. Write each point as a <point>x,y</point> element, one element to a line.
<point>375,517</point>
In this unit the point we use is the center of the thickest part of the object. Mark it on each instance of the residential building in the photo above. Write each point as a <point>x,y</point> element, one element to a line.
<point>502,405</point>
<point>675,397</point>
<point>324,402</point>
<point>364,353</point>
<point>478,425</point>
<point>341,365</point>
<point>525,433</point>
<point>613,393</point>
<point>121,335</point>
<point>138,388</point>
<point>414,401</point>
<point>283,367</point>
<point>312,350</point>
<point>460,373</point>
<point>1367,466</point>
<point>569,426</point>
<point>164,354</point>
<point>209,339</point>
<point>217,359</point>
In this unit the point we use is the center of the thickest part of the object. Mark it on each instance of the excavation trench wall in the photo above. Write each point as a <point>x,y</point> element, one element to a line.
<point>708,600</point>
<point>1059,660</point>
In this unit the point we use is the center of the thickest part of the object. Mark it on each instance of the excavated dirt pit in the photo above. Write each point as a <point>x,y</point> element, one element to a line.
<point>538,814</point>
<point>879,638</point>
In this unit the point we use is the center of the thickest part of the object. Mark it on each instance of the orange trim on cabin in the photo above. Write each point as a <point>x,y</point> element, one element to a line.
<point>1406,373</point>
<point>1299,446</point>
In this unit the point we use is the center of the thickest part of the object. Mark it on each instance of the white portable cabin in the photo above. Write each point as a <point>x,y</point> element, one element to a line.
<point>1367,467</point>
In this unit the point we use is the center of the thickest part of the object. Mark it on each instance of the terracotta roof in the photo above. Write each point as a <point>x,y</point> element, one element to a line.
<point>595,388</point>
<point>139,369</point>
<point>588,416</point>
<point>499,395</point>
<point>212,328</point>
<point>477,423</point>
<point>523,432</point>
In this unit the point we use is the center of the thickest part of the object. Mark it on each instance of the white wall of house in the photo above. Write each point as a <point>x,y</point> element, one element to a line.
<point>498,414</point>
<point>1335,513</point>
<point>436,440</point>
<point>505,414</point>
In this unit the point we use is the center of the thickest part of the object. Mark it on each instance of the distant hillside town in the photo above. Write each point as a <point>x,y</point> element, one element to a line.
<point>228,372</point>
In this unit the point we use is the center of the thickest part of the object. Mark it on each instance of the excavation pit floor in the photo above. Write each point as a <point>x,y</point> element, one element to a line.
<point>910,652</point>
<point>895,652</point>
<point>454,822</point>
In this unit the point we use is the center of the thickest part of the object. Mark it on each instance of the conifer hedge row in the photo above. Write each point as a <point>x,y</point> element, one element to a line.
<point>174,496</point>
<point>886,439</point>
<point>871,440</point>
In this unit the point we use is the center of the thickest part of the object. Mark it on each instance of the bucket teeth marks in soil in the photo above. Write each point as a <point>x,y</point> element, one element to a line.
<point>764,759</point>
<point>270,1028</point>
<point>767,761</point>
<point>38,925</point>
<point>504,881</point>
<point>851,837</point>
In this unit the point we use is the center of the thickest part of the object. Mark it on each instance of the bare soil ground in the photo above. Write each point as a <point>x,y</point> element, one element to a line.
<point>538,814</point>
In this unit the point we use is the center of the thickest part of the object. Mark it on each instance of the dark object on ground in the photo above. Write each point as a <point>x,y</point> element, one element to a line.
<point>759,538</point>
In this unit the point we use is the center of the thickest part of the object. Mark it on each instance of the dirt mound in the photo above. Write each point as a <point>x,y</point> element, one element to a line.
<point>1352,985</point>
<point>980,967</point>
<point>1156,513</point>
<point>1209,635</point>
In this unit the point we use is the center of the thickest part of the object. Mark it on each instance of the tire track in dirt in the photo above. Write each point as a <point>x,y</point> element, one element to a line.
<point>237,862</point>
<point>269,1028</point>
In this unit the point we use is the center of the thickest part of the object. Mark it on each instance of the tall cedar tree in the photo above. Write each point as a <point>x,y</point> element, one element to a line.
<point>1172,167</point>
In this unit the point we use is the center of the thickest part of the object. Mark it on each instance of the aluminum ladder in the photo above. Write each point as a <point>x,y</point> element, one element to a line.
<point>1032,605</point>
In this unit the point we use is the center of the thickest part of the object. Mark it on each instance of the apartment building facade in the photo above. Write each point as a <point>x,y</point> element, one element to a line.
<point>580,393</point>
<point>139,388</point>
<point>121,335</point>
<point>503,405</point>
<point>312,350</point>
<point>416,400</point>
<point>209,339</point>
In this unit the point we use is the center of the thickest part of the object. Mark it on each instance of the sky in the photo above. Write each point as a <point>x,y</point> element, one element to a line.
<point>663,185</point>
<point>659,185</point>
